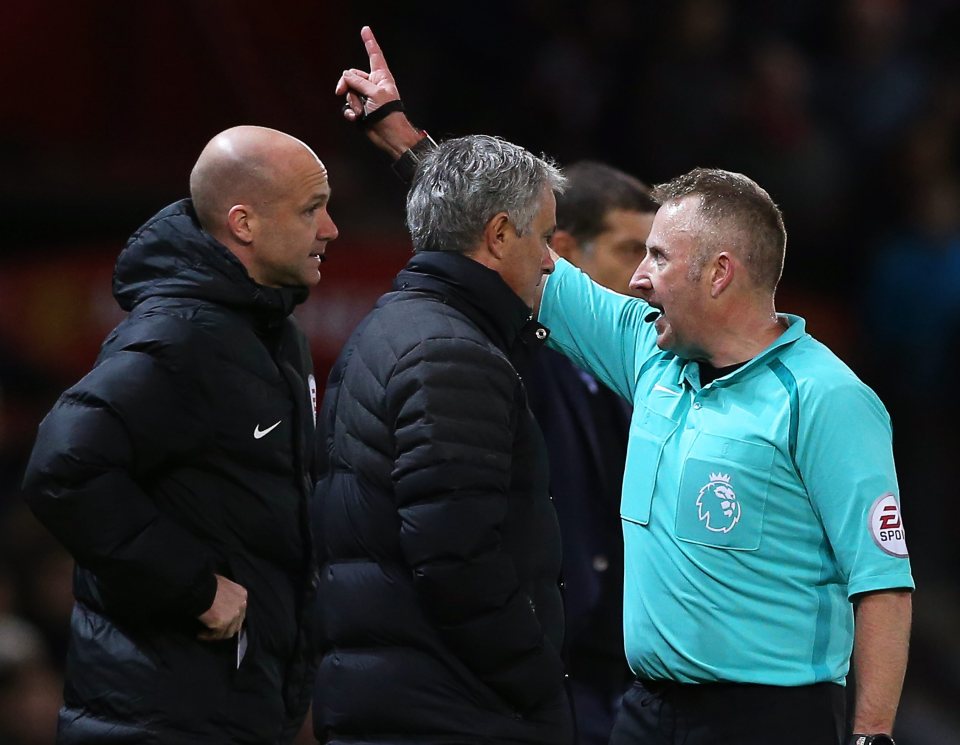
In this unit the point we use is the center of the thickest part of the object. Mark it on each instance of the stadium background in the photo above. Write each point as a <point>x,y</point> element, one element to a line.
<point>847,111</point>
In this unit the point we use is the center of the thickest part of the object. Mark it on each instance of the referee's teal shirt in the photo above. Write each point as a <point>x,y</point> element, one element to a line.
<point>753,508</point>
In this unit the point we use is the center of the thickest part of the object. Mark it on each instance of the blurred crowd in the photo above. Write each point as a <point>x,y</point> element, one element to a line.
<point>847,112</point>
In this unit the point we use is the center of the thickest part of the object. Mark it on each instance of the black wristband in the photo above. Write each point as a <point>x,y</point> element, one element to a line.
<point>380,112</point>
<point>406,165</point>
<point>878,739</point>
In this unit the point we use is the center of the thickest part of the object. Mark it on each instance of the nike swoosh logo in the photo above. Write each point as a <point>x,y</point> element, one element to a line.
<point>258,433</point>
<point>659,387</point>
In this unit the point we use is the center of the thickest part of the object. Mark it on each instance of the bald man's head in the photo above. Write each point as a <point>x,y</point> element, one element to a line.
<point>241,165</point>
<point>263,194</point>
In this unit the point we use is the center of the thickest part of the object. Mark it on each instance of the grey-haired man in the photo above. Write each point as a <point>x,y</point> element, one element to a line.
<point>440,617</point>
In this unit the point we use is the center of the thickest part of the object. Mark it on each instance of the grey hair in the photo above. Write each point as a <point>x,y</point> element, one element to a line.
<point>465,181</point>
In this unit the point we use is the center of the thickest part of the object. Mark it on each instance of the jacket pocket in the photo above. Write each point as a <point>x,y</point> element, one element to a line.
<point>649,432</point>
<point>723,493</point>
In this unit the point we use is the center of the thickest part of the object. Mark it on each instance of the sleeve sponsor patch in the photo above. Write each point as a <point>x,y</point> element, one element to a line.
<point>886,526</point>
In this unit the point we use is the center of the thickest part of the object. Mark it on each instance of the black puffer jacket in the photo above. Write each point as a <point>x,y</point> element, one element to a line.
<point>187,450</point>
<point>440,617</point>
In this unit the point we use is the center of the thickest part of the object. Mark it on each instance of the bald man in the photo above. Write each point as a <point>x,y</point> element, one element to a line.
<point>176,472</point>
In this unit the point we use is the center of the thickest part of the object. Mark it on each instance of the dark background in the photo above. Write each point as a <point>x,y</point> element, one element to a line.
<point>847,111</point>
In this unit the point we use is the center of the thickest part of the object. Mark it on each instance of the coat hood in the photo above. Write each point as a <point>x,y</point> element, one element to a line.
<point>172,256</point>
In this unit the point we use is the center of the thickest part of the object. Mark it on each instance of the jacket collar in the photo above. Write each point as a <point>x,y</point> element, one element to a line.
<point>172,256</point>
<point>476,291</point>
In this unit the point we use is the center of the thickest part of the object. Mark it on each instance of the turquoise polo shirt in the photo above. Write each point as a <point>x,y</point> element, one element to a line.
<point>753,508</point>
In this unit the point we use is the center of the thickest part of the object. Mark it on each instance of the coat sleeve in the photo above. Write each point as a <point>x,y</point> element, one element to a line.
<point>87,482</point>
<point>455,424</point>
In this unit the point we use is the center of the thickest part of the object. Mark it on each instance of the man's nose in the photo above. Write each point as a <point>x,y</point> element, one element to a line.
<point>327,230</point>
<point>640,281</point>
<point>548,264</point>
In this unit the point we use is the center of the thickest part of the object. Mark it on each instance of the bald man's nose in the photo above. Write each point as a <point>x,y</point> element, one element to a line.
<point>327,230</point>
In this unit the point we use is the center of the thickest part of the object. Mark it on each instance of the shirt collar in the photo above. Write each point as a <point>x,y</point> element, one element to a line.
<point>796,329</point>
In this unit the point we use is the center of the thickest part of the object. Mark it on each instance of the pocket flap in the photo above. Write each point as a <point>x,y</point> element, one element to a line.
<point>649,432</point>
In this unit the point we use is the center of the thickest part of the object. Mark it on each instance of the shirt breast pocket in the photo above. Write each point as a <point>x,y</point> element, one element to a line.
<point>723,493</point>
<point>649,432</point>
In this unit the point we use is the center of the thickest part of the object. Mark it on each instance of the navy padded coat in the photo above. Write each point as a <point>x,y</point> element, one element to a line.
<point>440,618</point>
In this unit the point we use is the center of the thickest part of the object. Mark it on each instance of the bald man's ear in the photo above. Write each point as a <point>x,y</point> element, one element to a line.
<point>567,246</point>
<point>722,269</point>
<point>497,234</point>
<point>240,223</point>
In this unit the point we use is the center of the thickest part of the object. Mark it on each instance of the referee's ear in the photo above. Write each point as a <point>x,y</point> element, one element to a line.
<point>239,223</point>
<point>723,268</point>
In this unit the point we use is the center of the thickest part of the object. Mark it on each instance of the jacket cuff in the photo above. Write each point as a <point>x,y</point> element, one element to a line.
<point>406,165</point>
<point>200,596</point>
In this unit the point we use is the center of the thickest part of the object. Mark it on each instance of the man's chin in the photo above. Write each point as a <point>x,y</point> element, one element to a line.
<point>301,283</point>
<point>665,340</point>
<point>310,279</point>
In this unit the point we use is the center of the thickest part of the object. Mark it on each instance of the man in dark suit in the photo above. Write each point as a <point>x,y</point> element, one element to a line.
<point>603,220</point>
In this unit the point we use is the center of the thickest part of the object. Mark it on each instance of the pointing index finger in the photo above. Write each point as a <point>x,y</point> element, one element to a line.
<point>374,53</point>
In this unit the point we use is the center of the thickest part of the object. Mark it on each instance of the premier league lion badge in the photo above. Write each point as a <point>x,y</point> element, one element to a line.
<point>717,504</point>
